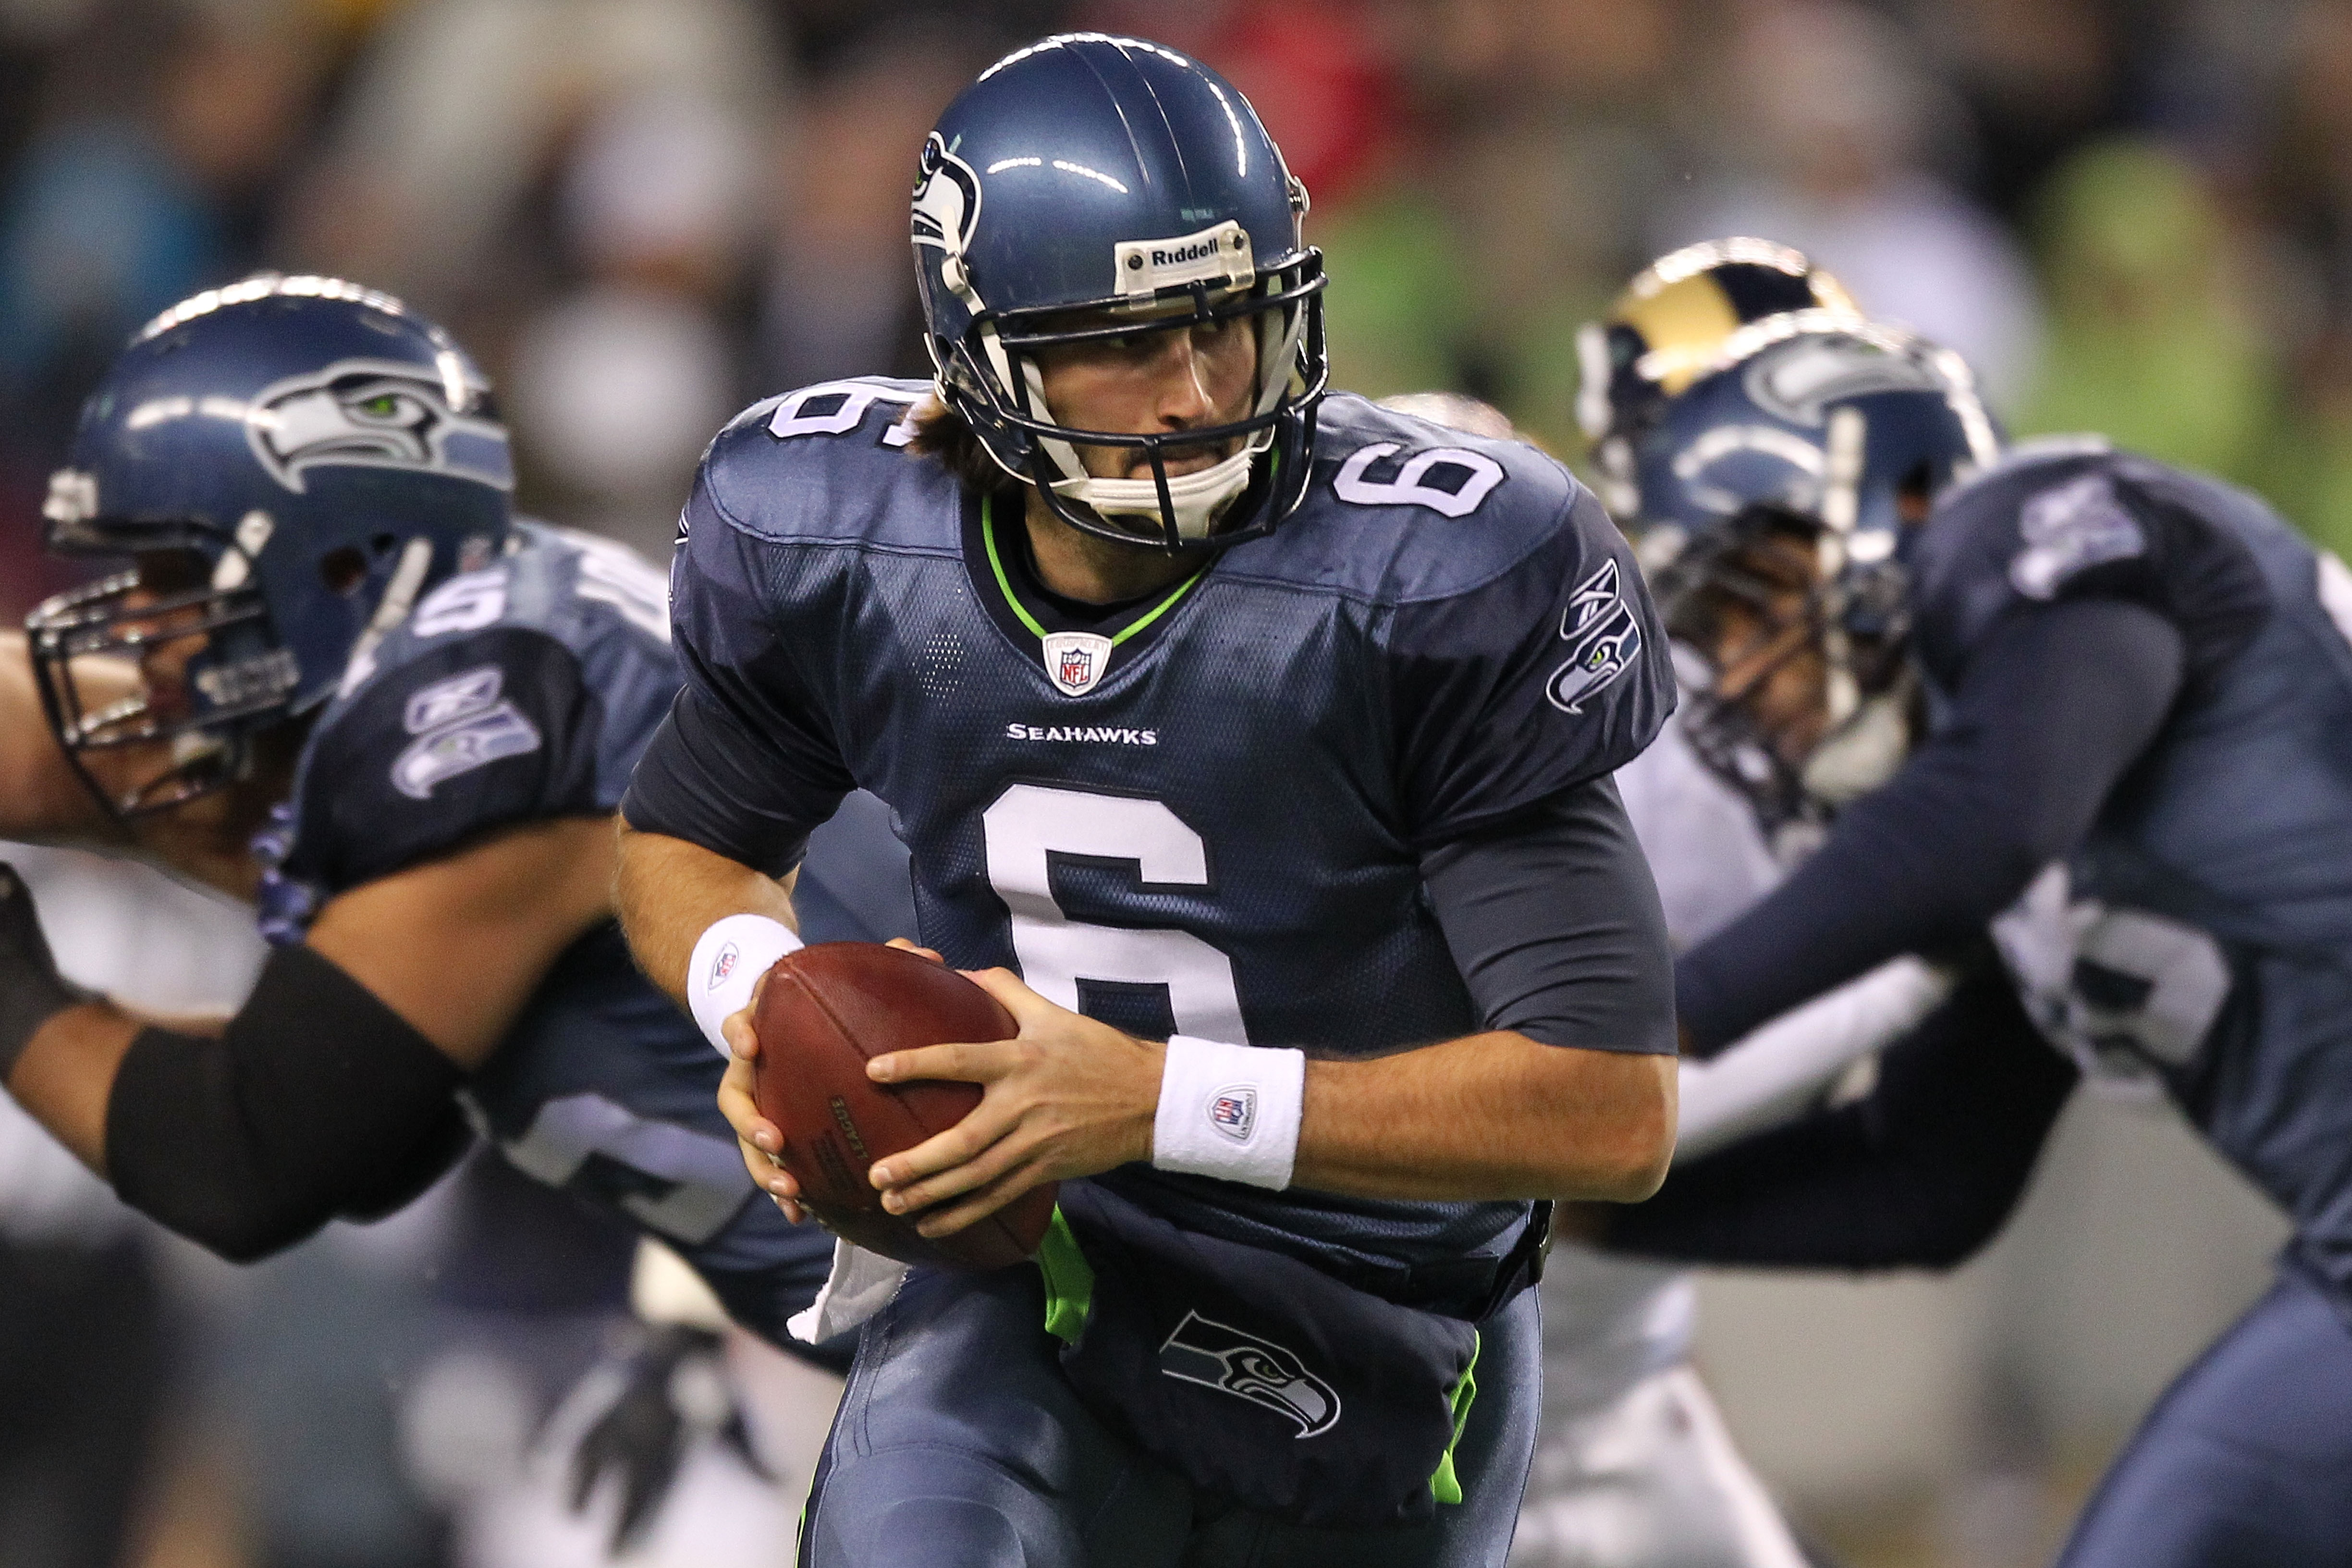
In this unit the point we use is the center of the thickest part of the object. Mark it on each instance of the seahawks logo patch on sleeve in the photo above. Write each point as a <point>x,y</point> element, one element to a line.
<point>2070,530</point>
<point>460,724</point>
<point>1604,636</point>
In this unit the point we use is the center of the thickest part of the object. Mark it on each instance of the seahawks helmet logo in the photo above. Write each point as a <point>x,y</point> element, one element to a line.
<point>1798,383</point>
<point>947,199</point>
<point>373,414</point>
<point>1217,1355</point>
<point>1603,638</point>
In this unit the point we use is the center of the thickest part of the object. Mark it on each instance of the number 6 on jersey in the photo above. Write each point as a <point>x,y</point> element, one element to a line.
<point>1029,824</point>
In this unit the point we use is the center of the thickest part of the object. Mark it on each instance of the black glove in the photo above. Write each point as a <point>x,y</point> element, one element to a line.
<point>32,991</point>
<point>674,1386</point>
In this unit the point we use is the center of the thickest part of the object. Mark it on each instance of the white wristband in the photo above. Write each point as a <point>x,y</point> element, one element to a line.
<point>726,962</point>
<point>1230,1111</point>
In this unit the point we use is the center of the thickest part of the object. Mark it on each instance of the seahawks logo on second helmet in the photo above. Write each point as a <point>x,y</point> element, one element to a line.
<point>373,414</point>
<point>1217,1355</point>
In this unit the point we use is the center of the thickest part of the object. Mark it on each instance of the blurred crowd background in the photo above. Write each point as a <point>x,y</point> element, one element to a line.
<point>2132,215</point>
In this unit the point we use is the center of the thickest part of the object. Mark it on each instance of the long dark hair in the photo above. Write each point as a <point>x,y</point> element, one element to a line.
<point>941,433</point>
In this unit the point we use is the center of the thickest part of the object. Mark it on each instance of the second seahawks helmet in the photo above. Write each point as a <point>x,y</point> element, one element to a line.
<point>1670,327</point>
<point>289,462</point>
<point>1830,440</point>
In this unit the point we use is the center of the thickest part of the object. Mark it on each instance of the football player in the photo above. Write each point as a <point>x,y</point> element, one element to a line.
<point>1253,747</point>
<point>2101,700</point>
<point>337,681</point>
<point>1634,1464</point>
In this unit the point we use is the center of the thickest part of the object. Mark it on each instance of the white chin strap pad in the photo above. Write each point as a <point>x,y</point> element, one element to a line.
<point>1199,497</point>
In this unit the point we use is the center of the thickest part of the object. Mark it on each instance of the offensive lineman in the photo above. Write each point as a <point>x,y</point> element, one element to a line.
<point>1336,786</point>
<point>1633,1468</point>
<point>339,682</point>
<point>2137,686</point>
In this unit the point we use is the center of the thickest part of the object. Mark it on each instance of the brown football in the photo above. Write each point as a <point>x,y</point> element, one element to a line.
<point>822,1014</point>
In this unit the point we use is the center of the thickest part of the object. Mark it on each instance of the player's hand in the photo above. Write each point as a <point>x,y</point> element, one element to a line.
<point>1068,1096</point>
<point>760,1141</point>
<point>674,1388</point>
<point>32,991</point>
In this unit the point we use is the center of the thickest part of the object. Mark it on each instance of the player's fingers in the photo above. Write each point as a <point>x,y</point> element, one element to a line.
<point>772,1179</point>
<point>979,1061</point>
<point>770,1176</point>
<point>983,1201</point>
<point>1024,1004</point>
<point>736,1029</point>
<point>967,1140</point>
<point>742,1112</point>
<point>904,945</point>
<point>967,1175</point>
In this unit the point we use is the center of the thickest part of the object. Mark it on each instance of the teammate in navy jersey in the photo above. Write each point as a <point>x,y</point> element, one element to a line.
<point>2101,704</point>
<point>1228,725</point>
<point>339,682</point>
<point>1634,1466</point>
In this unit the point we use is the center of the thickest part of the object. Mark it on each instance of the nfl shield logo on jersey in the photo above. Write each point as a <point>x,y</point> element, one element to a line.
<point>1075,660</point>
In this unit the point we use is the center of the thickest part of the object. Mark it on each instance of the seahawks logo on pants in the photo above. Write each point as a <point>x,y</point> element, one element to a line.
<point>1217,1355</point>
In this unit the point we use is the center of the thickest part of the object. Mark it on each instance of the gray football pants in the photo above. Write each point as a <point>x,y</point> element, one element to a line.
<point>961,1444</point>
<point>2246,1462</point>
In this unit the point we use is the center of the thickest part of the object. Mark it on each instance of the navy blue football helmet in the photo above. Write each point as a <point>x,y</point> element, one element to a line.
<point>289,462</point>
<point>1668,328</point>
<point>1797,471</point>
<point>1089,178</point>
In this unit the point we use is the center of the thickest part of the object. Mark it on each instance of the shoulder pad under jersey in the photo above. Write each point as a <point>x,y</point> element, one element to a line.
<point>1402,510</point>
<point>828,464</point>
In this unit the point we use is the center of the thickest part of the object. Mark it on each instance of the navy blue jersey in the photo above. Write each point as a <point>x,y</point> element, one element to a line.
<point>2201,938</point>
<point>1202,813</point>
<point>521,692</point>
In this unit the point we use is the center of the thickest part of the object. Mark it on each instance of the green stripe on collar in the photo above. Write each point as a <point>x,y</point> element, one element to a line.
<point>1004,584</point>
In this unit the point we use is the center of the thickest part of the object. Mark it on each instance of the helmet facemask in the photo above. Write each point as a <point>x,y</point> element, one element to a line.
<point>156,679</point>
<point>159,680</point>
<point>995,380</point>
<point>1799,693</point>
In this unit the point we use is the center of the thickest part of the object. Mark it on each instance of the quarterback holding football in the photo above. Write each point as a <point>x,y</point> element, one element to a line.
<point>1253,745</point>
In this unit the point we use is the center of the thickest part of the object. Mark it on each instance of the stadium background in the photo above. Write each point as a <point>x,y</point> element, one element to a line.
<point>641,213</point>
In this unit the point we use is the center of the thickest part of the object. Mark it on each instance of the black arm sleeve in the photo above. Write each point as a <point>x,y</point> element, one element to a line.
<point>2056,704</point>
<point>1919,1174</point>
<point>318,1100</point>
<point>1555,924</point>
<point>708,778</point>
